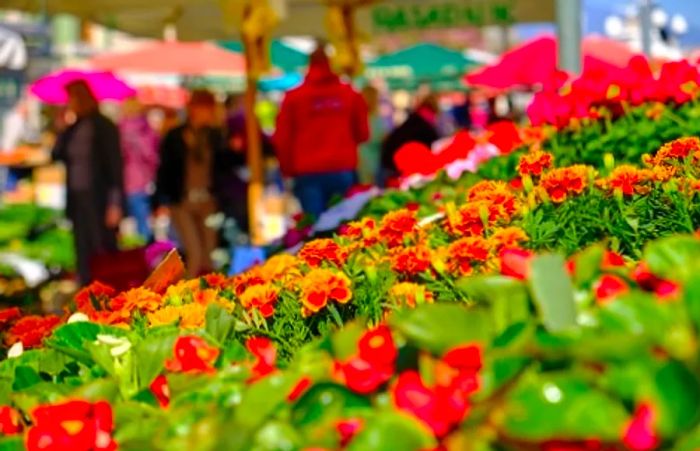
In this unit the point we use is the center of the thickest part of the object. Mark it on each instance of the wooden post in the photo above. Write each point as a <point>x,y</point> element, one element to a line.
<point>254,153</point>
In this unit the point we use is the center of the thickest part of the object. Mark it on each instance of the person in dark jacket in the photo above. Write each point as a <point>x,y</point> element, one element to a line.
<point>420,126</point>
<point>194,166</point>
<point>91,152</point>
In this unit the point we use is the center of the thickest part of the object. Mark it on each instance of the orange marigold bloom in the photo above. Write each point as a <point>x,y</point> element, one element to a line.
<point>206,296</point>
<point>396,226</point>
<point>321,286</point>
<point>663,173</point>
<point>509,237</point>
<point>141,299</point>
<point>93,296</point>
<point>628,180</point>
<point>364,230</point>
<point>31,330</point>
<point>164,316</point>
<point>466,251</point>
<point>279,266</point>
<point>562,182</point>
<point>655,110</point>
<point>216,281</point>
<point>192,316</point>
<point>535,162</point>
<point>253,276</point>
<point>497,196</point>
<point>410,294</point>
<point>261,298</point>
<point>411,261</point>
<point>467,220</point>
<point>314,253</point>
<point>675,150</point>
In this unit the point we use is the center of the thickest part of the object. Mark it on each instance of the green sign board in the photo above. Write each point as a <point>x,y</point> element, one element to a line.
<point>417,15</point>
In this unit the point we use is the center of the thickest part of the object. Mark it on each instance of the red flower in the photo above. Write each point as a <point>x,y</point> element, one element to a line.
<point>193,355</point>
<point>516,263</point>
<point>216,281</point>
<point>299,389</point>
<point>396,226</point>
<point>377,347</point>
<point>160,389</point>
<point>95,293</point>
<point>265,355</point>
<point>612,260</point>
<point>324,250</point>
<point>31,330</point>
<point>348,429</point>
<point>639,435</point>
<point>411,261</point>
<point>8,315</point>
<point>464,358</point>
<point>665,290</point>
<point>74,425</point>
<point>609,287</point>
<point>10,421</point>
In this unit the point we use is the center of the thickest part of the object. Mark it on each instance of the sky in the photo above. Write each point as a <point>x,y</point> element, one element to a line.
<point>595,12</point>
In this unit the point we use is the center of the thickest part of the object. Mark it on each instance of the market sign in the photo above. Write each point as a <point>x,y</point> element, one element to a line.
<point>417,15</point>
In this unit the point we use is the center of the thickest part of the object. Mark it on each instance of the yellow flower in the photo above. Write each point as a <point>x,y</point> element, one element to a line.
<point>164,316</point>
<point>192,316</point>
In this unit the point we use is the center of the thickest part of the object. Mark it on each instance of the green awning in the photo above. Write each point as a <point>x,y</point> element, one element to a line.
<point>440,67</point>
<point>284,57</point>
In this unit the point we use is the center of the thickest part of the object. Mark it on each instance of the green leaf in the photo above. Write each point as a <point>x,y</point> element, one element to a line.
<point>263,399</point>
<point>674,257</point>
<point>219,323</point>
<point>150,355</point>
<point>587,265</point>
<point>12,443</point>
<point>561,406</point>
<point>677,396</point>
<point>441,327</point>
<point>276,436</point>
<point>327,401</point>
<point>390,431</point>
<point>507,297</point>
<point>70,339</point>
<point>553,292</point>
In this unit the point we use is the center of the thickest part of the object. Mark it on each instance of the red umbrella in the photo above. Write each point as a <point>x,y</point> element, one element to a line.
<point>174,57</point>
<point>166,96</point>
<point>535,63</point>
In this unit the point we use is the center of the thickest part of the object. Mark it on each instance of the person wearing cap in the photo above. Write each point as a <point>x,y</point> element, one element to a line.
<point>319,128</point>
<point>193,166</point>
<point>90,149</point>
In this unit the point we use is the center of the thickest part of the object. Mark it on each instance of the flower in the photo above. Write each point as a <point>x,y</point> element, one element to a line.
<point>163,316</point>
<point>516,263</point>
<point>535,162</point>
<point>31,330</point>
<point>9,315</point>
<point>192,355</point>
<point>261,298</point>
<point>411,261</point>
<point>396,226</point>
<point>10,421</point>
<point>496,196</point>
<point>612,260</point>
<point>364,230</point>
<point>665,290</point>
<point>348,429</point>
<point>299,389</point>
<point>75,425</point>
<point>509,237</point>
<point>215,281</point>
<point>323,285</point>
<point>628,180</point>
<point>265,356</point>
<point>373,365</point>
<point>409,294</point>
<point>160,390</point>
<point>463,253</point>
<point>674,151</point>
<point>610,287</point>
<point>192,316</point>
<point>562,182</point>
<point>316,252</point>
<point>93,296</point>
<point>137,299</point>
<point>467,220</point>
<point>639,435</point>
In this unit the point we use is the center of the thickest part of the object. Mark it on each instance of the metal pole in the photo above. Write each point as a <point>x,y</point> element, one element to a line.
<point>568,13</point>
<point>645,26</point>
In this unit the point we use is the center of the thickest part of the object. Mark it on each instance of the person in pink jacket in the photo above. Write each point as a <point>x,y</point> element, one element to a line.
<point>139,143</point>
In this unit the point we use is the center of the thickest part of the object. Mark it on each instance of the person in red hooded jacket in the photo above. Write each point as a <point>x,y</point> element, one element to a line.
<point>319,128</point>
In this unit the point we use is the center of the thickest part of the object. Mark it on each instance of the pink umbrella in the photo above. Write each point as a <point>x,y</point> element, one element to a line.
<point>104,85</point>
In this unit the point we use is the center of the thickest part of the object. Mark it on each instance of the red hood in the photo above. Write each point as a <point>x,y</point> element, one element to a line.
<point>320,73</point>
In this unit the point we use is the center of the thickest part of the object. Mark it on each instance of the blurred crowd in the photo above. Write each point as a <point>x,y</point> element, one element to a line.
<point>323,139</point>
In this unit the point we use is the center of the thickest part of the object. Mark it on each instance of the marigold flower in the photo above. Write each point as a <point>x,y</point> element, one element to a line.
<point>163,316</point>
<point>93,296</point>
<point>535,162</point>
<point>253,276</point>
<point>260,297</point>
<point>76,425</point>
<point>398,225</point>
<point>509,237</point>
<point>463,253</point>
<point>137,299</point>
<point>562,182</point>
<point>216,281</point>
<point>192,354</point>
<point>316,252</point>
<point>466,221</point>
<point>363,229</point>
<point>628,180</point>
<point>193,315</point>
<point>205,296</point>
<point>31,330</point>
<point>410,294</point>
<point>278,266</point>
<point>321,286</point>
<point>9,315</point>
<point>411,261</point>
<point>674,151</point>
<point>499,199</point>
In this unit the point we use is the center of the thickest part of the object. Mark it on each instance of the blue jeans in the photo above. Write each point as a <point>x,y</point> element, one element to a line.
<point>140,209</point>
<point>315,191</point>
